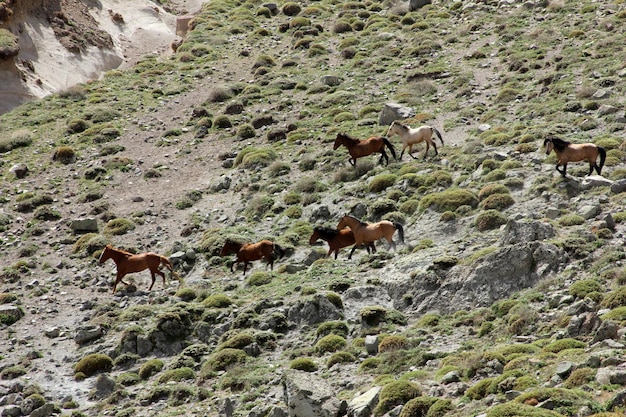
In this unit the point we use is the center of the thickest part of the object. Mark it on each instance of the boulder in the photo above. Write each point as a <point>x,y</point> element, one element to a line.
<point>14,312</point>
<point>308,395</point>
<point>524,232</point>
<point>363,405</point>
<point>315,310</point>
<point>495,276</point>
<point>418,4</point>
<point>618,186</point>
<point>394,111</point>
<point>19,170</point>
<point>84,225</point>
<point>88,334</point>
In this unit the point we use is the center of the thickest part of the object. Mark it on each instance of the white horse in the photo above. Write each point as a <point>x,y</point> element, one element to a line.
<point>411,136</point>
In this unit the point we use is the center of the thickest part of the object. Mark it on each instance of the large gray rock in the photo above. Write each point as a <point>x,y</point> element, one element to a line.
<point>524,232</point>
<point>84,225</point>
<point>418,4</point>
<point>315,310</point>
<point>308,395</point>
<point>88,334</point>
<point>394,111</point>
<point>363,405</point>
<point>14,312</point>
<point>496,276</point>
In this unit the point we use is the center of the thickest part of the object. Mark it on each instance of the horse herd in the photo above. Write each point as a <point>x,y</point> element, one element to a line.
<point>349,230</point>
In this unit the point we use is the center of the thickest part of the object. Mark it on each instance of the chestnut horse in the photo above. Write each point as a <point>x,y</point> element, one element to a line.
<point>370,232</point>
<point>412,136</point>
<point>570,152</point>
<point>337,239</point>
<point>248,252</point>
<point>128,263</point>
<point>359,148</point>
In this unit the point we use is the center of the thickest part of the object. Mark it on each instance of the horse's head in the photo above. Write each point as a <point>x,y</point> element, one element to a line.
<point>230,246</point>
<point>315,236</point>
<point>549,145</point>
<point>344,222</point>
<point>339,140</point>
<point>393,128</point>
<point>106,254</point>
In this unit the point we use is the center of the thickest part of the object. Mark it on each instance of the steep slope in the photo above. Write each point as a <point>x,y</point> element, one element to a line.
<point>232,136</point>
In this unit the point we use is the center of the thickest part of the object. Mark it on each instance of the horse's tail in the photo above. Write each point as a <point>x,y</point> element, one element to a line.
<point>438,133</point>
<point>400,230</point>
<point>602,152</point>
<point>278,251</point>
<point>168,264</point>
<point>390,146</point>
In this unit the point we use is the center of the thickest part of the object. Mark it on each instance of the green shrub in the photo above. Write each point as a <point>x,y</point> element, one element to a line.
<point>562,344</point>
<point>128,378</point>
<point>186,294</point>
<point>246,131</point>
<point>340,357</point>
<point>491,189</point>
<point>77,125</point>
<point>177,375</point>
<point>479,390</point>
<point>258,278</point>
<point>381,182</point>
<point>497,202</point>
<point>217,301</point>
<point>440,408</point>
<point>335,299</point>
<point>224,359</point>
<point>64,154</point>
<point>238,341</point>
<point>513,409</point>
<point>338,328</point>
<point>580,377</point>
<point>571,220</point>
<point>18,139</point>
<point>303,364</point>
<point>222,122</point>
<point>429,320</point>
<point>490,219</point>
<point>449,200</point>
<point>330,343</point>
<point>252,157</point>
<point>396,393</point>
<point>12,372</point>
<point>150,368</point>
<point>118,227</point>
<point>7,297</point>
<point>580,289</point>
<point>373,315</point>
<point>615,299</point>
<point>417,407</point>
<point>94,363</point>
<point>393,342</point>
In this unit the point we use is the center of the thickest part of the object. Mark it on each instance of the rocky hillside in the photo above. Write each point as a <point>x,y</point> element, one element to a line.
<point>506,298</point>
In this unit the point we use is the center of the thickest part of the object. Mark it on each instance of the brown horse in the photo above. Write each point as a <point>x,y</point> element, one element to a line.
<point>337,239</point>
<point>248,252</point>
<point>359,148</point>
<point>569,152</point>
<point>128,263</point>
<point>370,232</point>
<point>412,136</point>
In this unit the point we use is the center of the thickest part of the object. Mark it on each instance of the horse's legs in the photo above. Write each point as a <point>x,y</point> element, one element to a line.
<point>154,272</point>
<point>352,162</point>
<point>426,151</point>
<point>119,279</point>
<point>435,146</point>
<point>561,171</point>
<point>383,154</point>
<point>352,251</point>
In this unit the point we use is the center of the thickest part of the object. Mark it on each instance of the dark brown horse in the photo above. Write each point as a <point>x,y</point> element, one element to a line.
<point>337,239</point>
<point>570,152</point>
<point>127,263</point>
<point>248,252</point>
<point>359,148</point>
<point>371,232</point>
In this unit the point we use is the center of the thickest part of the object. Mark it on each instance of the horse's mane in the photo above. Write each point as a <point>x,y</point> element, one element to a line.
<point>400,124</point>
<point>559,144</point>
<point>361,222</point>
<point>346,136</point>
<point>125,252</point>
<point>326,232</point>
